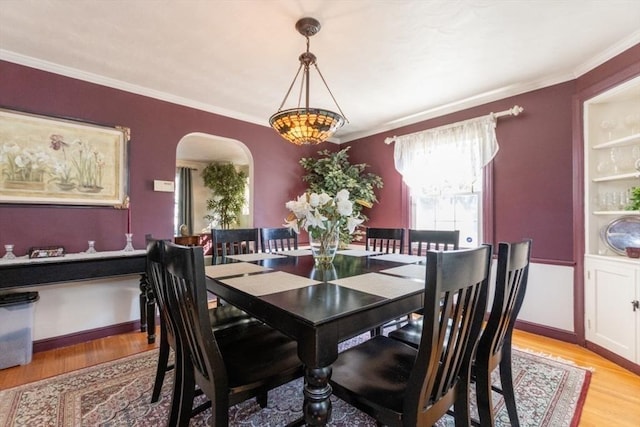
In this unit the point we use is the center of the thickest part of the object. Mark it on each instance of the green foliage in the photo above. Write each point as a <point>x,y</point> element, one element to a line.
<point>634,200</point>
<point>227,190</point>
<point>332,172</point>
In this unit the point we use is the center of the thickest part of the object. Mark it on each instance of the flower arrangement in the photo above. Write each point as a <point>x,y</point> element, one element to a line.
<point>322,216</point>
<point>330,172</point>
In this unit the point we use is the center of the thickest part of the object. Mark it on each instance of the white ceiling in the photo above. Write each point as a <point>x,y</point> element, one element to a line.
<point>387,62</point>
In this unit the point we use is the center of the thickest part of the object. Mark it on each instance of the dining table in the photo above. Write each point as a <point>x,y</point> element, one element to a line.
<point>320,306</point>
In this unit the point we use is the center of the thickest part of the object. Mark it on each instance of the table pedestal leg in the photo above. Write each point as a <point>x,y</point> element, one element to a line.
<point>317,406</point>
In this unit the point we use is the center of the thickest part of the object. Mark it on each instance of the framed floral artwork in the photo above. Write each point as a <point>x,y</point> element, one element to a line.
<point>51,160</point>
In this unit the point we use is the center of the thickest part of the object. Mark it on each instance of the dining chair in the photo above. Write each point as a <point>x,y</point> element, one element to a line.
<point>387,240</point>
<point>400,385</point>
<point>233,242</point>
<point>420,241</point>
<point>494,346</point>
<point>230,365</point>
<point>278,239</point>
<point>219,318</point>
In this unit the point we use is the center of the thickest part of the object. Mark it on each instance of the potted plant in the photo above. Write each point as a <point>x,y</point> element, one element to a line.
<point>331,173</point>
<point>227,185</point>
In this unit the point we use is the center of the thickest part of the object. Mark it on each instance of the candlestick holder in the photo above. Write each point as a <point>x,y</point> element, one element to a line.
<point>8,252</point>
<point>92,248</point>
<point>129,245</point>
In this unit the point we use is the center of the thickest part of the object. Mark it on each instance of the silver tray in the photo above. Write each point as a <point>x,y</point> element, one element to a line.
<point>622,232</point>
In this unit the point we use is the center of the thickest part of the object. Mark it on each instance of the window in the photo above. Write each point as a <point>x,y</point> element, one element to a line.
<point>176,205</point>
<point>460,211</point>
<point>443,168</point>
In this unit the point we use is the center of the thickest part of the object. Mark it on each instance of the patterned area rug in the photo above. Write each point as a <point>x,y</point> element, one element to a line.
<point>548,393</point>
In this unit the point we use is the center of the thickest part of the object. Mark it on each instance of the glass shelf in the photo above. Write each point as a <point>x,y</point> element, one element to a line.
<point>617,177</point>
<point>619,142</point>
<point>616,212</point>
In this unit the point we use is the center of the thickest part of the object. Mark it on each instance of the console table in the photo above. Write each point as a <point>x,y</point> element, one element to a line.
<point>23,272</point>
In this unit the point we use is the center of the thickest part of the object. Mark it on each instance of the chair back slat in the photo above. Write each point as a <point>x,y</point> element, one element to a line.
<point>233,242</point>
<point>421,241</point>
<point>387,240</point>
<point>278,239</point>
<point>455,300</point>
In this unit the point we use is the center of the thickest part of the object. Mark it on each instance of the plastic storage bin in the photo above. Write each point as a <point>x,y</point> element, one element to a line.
<point>16,328</point>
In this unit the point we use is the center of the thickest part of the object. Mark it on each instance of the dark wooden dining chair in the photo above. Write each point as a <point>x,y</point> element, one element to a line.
<point>387,240</point>
<point>230,365</point>
<point>278,239</point>
<point>400,385</point>
<point>420,241</point>
<point>233,242</point>
<point>494,346</point>
<point>219,318</point>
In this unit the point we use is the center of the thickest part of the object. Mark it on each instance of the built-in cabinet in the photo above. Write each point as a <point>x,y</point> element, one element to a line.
<point>612,316</point>
<point>612,169</point>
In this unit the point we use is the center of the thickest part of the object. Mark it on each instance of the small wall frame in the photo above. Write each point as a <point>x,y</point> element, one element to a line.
<point>50,160</point>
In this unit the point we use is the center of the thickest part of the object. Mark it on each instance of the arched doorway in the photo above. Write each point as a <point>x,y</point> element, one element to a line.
<point>196,151</point>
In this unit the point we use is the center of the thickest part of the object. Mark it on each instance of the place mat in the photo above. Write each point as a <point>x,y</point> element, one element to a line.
<point>406,259</point>
<point>380,284</point>
<point>357,252</point>
<point>269,283</point>
<point>254,257</point>
<point>232,269</point>
<point>413,270</point>
<point>295,252</point>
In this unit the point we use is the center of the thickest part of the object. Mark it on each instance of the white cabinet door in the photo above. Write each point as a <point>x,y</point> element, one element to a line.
<point>611,322</point>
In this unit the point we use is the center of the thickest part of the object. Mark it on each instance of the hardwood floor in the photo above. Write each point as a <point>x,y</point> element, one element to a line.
<point>613,398</point>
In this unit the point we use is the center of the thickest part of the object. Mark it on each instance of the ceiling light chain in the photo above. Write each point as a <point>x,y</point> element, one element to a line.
<point>303,126</point>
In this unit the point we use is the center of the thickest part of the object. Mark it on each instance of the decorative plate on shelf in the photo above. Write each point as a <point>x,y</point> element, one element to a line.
<point>621,233</point>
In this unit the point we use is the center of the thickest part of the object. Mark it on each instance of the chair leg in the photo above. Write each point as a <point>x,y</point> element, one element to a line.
<point>262,399</point>
<point>183,392</point>
<point>506,379</point>
<point>483,396</point>
<point>462,416</point>
<point>163,361</point>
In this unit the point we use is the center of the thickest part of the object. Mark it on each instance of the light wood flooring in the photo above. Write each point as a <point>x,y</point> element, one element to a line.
<point>613,398</point>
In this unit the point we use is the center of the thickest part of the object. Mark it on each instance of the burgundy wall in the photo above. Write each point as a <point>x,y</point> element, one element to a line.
<point>532,172</point>
<point>156,128</point>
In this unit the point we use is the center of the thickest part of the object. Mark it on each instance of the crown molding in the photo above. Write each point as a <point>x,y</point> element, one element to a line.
<point>127,87</point>
<point>606,55</point>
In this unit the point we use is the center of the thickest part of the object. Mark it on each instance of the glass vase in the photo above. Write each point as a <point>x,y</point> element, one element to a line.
<point>324,244</point>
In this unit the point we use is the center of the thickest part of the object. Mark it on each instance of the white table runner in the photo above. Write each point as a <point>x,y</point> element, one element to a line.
<point>254,257</point>
<point>416,271</point>
<point>380,284</point>
<point>406,259</point>
<point>232,269</point>
<point>269,283</point>
<point>357,252</point>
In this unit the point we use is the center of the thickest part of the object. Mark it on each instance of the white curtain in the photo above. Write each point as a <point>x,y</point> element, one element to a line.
<point>447,159</point>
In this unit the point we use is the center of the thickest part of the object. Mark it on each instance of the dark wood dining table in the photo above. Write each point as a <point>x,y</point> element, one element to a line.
<point>320,307</point>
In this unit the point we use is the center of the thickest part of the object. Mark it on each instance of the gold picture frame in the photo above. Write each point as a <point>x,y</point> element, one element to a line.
<point>50,160</point>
